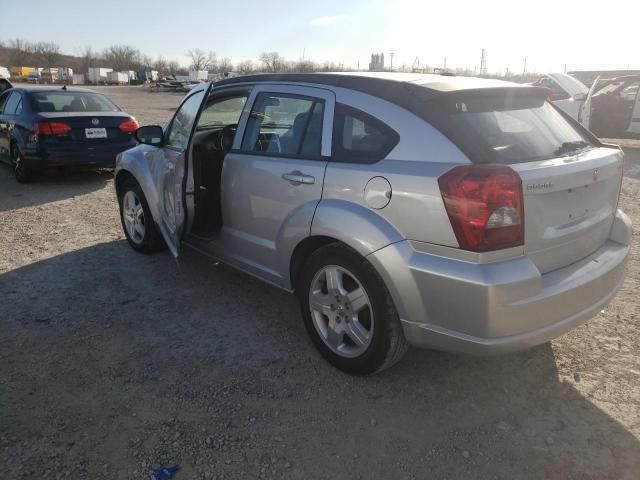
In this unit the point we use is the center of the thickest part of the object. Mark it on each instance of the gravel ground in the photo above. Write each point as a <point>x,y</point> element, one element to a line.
<point>113,363</point>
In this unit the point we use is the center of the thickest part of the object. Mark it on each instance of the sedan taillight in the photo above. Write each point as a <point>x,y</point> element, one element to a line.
<point>51,128</point>
<point>485,206</point>
<point>129,126</point>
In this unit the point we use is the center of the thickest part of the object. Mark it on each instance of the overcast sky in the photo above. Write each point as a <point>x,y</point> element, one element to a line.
<point>551,33</point>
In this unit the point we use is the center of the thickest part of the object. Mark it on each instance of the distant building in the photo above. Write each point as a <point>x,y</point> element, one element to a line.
<point>377,62</point>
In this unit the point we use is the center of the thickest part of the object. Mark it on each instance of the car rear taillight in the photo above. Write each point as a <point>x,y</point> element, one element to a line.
<point>129,126</point>
<point>485,206</point>
<point>51,128</point>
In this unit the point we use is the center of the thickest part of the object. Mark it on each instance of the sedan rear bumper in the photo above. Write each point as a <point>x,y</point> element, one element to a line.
<point>502,306</point>
<point>102,155</point>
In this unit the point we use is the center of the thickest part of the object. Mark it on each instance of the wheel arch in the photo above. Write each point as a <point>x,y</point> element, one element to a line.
<point>349,224</point>
<point>303,251</point>
<point>138,172</point>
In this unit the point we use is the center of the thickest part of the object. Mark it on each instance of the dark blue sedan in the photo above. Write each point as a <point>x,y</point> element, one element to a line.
<point>49,127</point>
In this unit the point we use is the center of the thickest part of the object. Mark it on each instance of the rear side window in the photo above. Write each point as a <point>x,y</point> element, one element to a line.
<point>360,138</point>
<point>62,101</point>
<point>12,103</point>
<point>504,128</point>
<point>285,124</point>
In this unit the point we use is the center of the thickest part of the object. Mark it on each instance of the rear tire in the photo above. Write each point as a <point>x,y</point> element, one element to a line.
<point>137,221</point>
<point>22,172</point>
<point>357,333</point>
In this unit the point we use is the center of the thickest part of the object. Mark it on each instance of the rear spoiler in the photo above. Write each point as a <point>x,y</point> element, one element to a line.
<point>516,90</point>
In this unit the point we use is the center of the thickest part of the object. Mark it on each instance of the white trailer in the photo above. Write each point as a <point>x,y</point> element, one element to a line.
<point>198,76</point>
<point>77,79</point>
<point>65,73</point>
<point>118,78</point>
<point>98,74</point>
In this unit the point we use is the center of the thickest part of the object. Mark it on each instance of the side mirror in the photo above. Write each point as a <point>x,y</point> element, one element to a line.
<point>579,97</point>
<point>150,135</point>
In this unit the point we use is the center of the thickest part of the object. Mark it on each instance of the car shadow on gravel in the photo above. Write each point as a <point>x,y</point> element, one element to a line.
<point>113,362</point>
<point>49,187</point>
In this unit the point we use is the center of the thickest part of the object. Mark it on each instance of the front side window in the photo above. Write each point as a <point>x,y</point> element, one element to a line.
<point>182,123</point>
<point>222,112</point>
<point>285,124</point>
<point>360,138</point>
<point>61,101</point>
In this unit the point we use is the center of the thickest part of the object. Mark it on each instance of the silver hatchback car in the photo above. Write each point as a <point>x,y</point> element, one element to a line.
<point>461,214</point>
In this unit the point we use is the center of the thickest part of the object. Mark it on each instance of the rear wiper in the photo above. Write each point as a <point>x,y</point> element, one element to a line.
<point>568,147</point>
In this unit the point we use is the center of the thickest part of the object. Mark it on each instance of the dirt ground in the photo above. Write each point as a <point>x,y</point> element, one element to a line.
<point>113,363</point>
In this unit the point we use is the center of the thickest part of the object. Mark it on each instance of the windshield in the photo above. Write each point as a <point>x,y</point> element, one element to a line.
<point>61,101</point>
<point>506,129</point>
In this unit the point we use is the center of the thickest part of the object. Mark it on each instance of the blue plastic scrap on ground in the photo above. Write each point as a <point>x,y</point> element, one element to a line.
<point>165,473</point>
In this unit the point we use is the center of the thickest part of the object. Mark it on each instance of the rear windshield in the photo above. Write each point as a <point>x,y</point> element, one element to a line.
<point>499,128</point>
<point>71,102</point>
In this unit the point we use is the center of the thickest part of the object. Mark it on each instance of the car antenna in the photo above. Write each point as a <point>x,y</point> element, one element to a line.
<point>64,87</point>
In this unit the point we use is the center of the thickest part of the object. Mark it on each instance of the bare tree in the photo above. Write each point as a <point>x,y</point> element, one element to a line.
<point>305,66</point>
<point>122,57</point>
<point>201,60</point>
<point>47,53</point>
<point>173,68</point>
<point>21,51</point>
<point>146,61</point>
<point>88,57</point>
<point>225,65</point>
<point>273,62</point>
<point>330,66</point>
<point>246,67</point>
<point>161,65</point>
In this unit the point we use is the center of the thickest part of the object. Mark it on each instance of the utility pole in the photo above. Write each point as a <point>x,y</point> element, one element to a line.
<point>565,68</point>
<point>444,64</point>
<point>358,65</point>
<point>483,62</point>
<point>391,54</point>
<point>303,52</point>
<point>524,69</point>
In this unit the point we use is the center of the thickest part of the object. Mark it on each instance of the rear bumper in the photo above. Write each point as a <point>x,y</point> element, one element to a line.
<point>102,155</point>
<point>498,307</point>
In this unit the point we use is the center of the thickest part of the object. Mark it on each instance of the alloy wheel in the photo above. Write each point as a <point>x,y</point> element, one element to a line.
<point>341,311</point>
<point>133,216</point>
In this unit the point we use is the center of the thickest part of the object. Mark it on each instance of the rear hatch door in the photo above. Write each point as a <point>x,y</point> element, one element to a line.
<point>570,204</point>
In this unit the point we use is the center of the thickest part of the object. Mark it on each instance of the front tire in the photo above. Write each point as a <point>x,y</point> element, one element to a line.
<point>137,221</point>
<point>348,312</point>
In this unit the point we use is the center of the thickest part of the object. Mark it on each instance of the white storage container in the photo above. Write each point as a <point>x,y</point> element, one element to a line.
<point>77,79</point>
<point>198,75</point>
<point>119,78</point>
<point>98,74</point>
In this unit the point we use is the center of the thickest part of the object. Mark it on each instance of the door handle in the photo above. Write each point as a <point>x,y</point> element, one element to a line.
<point>299,178</point>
